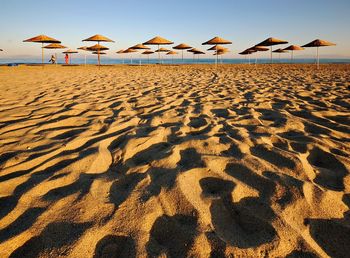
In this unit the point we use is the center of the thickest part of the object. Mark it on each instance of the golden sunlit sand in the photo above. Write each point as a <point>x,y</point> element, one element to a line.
<point>175,161</point>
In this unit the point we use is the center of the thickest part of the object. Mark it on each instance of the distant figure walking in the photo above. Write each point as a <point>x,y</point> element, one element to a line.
<point>66,58</point>
<point>53,59</point>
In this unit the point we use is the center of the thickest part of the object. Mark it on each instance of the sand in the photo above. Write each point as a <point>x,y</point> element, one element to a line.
<point>175,161</point>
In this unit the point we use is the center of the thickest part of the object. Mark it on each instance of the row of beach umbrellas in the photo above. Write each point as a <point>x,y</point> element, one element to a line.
<point>158,41</point>
<point>263,46</point>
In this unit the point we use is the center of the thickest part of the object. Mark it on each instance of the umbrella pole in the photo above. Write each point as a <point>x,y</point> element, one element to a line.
<point>318,60</point>
<point>271,54</point>
<point>249,59</point>
<point>216,47</point>
<point>158,55</point>
<point>85,59</point>
<point>42,53</point>
<point>140,60</point>
<point>292,57</point>
<point>182,51</point>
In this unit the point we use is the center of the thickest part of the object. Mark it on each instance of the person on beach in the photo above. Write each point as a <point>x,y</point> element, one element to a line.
<point>66,58</point>
<point>53,59</point>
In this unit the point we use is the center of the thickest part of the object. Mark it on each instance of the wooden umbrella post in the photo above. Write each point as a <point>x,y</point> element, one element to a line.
<point>217,58</point>
<point>42,53</point>
<point>158,55</point>
<point>318,60</point>
<point>271,54</point>
<point>292,57</point>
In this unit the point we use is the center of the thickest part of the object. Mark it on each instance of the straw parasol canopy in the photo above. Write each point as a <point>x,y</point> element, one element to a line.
<point>140,46</point>
<point>158,41</point>
<point>271,42</point>
<point>280,50</point>
<point>85,48</point>
<point>217,41</point>
<point>97,48</point>
<point>257,49</point>
<point>121,52</point>
<point>172,53</point>
<point>197,53</point>
<point>248,52</point>
<point>293,48</point>
<point>193,50</point>
<point>42,39</point>
<point>54,46</point>
<point>182,47</point>
<point>70,51</point>
<point>98,38</point>
<point>216,48</point>
<point>128,51</point>
<point>148,53</point>
<point>162,49</point>
<point>318,43</point>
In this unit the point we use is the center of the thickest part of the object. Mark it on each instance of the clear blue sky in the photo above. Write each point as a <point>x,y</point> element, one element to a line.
<point>193,22</point>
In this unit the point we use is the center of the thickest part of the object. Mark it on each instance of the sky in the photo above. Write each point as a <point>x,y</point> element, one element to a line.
<point>245,23</point>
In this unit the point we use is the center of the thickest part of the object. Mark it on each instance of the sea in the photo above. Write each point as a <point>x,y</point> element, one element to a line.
<point>136,61</point>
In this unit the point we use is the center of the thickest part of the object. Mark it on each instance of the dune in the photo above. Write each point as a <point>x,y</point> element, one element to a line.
<point>175,161</point>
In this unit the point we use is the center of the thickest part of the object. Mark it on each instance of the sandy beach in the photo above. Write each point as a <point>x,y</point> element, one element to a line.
<point>175,161</point>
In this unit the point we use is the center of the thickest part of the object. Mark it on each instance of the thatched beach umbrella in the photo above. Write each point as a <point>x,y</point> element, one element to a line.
<point>69,52</point>
<point>182,47</point>
<point>158,41</point>
<point>280,51</point>
<point>271,42</point>
<point>130,51</point>
<point>54,46</point>
<point>148,53</point>
<point>140,47</point>
<point>257,49</point>
<point>220,52</point>
<point>97,48</point>
<point>198,53</point>
<point>193,50</point>
<point>247,52</point>
<point>172,53</point>
<point>319,43</point>
<point>42,39</point>
<point>293,48</point>
<point>98,38</point>
<point>121,52</point>
<point>101,53</point>
<point>162,50</point>
<point>217,41</point>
